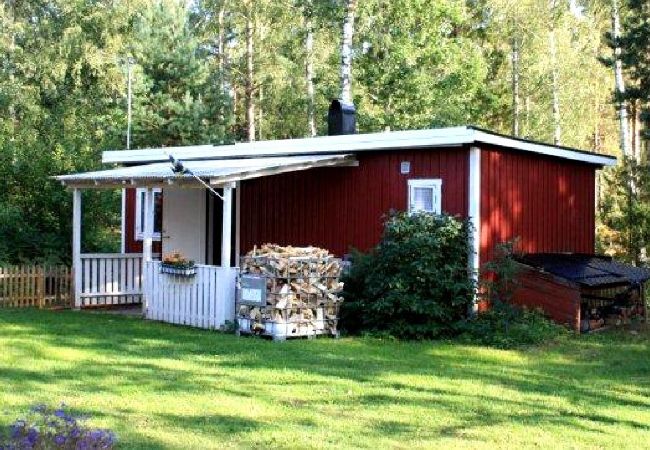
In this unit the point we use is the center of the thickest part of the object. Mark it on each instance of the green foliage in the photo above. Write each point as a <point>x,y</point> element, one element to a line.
<point>504,325</point>
<point>635,57</point>
<point>507,326</point>
<point>415,283</point>
<point>624,229</point>
<point>499,275</point>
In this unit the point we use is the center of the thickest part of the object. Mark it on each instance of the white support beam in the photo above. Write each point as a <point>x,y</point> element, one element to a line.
<point>76,246</point>
<point>237,222</point>
<point>123,223</point>
<point>226,228</point>
<point>147,237</point>
<point>474,213</point>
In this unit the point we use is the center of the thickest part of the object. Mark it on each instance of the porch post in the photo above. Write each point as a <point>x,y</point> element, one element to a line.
<point>474,213</point>
<point>147,238</point>
<point>76,245</point>
<point>226,229</point>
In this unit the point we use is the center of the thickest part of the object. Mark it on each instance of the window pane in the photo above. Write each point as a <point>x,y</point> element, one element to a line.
<point>423,199</point>
<point>141,230</point>
<point>157,211</point>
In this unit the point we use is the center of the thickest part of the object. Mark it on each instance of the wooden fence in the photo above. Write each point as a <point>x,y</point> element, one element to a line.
<point>206,300</point>
<point>43,287</point>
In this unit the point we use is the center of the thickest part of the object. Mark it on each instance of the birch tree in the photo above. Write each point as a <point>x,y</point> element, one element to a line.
<point>308,20</point>
<point>620,81</point>
<point>346,50</point>
<point>555,73</point>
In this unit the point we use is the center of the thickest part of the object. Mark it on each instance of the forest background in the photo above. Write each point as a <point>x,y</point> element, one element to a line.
<point>568,72</point>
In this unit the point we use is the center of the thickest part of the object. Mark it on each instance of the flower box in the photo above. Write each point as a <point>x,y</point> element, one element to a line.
<point>177,264</point>
<point>179,271</point>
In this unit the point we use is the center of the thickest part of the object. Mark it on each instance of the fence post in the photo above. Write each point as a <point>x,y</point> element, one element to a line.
<point>40,289</point>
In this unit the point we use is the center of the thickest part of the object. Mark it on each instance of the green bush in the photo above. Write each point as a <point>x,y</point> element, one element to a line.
<point>415,284</point>
<point>507,326</point>
<point>504,325</point>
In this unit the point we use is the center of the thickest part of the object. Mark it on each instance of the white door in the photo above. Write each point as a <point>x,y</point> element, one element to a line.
<point>183,224</point>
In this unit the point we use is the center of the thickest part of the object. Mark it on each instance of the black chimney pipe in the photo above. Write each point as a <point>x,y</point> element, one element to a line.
<point>341,118</point>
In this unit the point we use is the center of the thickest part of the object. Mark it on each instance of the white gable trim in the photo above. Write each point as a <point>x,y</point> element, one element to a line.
<point>442,137</point>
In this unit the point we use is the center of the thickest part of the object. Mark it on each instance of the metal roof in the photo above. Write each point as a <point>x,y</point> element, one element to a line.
<point>587,270</point>
<point>216,172</point>
<point>431,138</point>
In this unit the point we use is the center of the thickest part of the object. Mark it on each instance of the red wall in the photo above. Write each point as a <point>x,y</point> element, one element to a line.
<point>131,245</point>
<point>559,299</point>
<point>341,208</point>
<point>548,202</point>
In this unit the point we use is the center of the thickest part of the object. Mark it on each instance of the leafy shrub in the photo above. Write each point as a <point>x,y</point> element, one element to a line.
<point>48,428</point>
<point>504,325</point>
<point>415,284</point>
<point>507,326</point>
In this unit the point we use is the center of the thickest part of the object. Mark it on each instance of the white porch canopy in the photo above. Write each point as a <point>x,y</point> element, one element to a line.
<point>215,172</point>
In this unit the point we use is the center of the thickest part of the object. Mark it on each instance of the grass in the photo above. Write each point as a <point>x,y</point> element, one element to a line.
<point>160,386</point>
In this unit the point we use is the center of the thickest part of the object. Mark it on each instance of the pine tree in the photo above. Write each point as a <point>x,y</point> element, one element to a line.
<point>634,43</point>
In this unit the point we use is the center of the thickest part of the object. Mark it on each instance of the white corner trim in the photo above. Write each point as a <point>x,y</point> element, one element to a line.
<point>474,212</point>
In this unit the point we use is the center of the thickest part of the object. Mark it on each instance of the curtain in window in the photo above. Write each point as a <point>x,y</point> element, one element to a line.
<point>423,199</point>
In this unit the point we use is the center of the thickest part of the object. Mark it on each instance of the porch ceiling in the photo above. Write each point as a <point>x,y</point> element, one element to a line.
<point>215,172</point>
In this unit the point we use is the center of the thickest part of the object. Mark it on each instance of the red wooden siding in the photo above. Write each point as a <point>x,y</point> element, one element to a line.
<point>558,298</point>
<point>547,202</point>
<point>342,208</point>
<point>131,244</point>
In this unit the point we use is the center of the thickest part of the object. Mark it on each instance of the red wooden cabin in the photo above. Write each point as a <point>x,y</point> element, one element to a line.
<point>334,191</point>
<point>542,194</point>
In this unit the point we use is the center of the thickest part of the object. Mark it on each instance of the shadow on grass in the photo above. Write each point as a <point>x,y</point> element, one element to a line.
<point>123,353</point>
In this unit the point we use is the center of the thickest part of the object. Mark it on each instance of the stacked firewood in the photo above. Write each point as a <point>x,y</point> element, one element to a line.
<point>302,291</point>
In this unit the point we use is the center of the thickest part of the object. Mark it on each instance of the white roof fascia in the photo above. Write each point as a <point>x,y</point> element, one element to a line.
<point>441,137</point>
<point>558,152</point>
<point>321,145</point>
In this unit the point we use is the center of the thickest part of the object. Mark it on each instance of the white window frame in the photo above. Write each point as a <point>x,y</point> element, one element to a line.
<point>433,183</point>
<point>139,235</point>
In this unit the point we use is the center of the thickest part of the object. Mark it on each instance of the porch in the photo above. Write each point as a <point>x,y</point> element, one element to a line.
<point>207,299</point>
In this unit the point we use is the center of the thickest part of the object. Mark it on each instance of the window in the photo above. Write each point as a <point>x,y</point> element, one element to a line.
<point>139,213</point>
<point>425,196</point>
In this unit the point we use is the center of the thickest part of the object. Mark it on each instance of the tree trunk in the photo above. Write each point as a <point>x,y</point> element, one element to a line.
<point>260,112</point>
<point>249,87</point>
<point>555,77</point>
<point>309,72</point>
<point>346,51</point>
<point>221,49</point>
<point>620,82</point>
<point>637,142</point>
<point>515,87</point>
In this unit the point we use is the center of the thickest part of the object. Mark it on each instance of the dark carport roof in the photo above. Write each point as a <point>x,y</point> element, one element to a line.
<point>587,270</point>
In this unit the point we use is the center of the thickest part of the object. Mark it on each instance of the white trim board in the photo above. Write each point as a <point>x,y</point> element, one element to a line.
<point>431,138</point>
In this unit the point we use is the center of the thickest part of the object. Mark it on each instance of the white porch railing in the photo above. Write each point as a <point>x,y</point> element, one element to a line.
<point>205,300</point>
<point>110,279</point>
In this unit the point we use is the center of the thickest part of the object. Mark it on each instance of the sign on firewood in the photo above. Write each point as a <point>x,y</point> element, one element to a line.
<point>253,290</point>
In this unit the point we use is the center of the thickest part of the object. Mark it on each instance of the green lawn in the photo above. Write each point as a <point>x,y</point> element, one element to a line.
<point>160,386</point>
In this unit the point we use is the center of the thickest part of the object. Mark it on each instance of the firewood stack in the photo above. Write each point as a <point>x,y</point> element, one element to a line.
<point>302,292</point>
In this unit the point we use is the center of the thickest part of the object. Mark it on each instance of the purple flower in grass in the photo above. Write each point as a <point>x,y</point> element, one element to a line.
<point>32,436</point>
<point>17,428</point>
<point>59,439</point>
